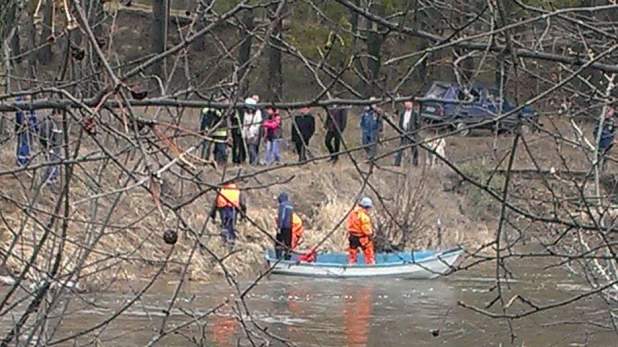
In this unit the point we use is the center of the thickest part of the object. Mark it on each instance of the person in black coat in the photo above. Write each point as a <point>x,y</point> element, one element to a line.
<point>303,128</point>
<point>336,120</point>
<point>409,123</point>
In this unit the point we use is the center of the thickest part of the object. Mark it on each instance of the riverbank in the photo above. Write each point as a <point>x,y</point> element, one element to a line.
<point>114,230</point>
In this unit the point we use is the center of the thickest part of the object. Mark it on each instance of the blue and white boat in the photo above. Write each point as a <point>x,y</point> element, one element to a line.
<point>426,264</point>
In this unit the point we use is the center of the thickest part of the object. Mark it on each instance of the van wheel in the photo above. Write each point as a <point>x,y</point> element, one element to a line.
<point>462,129</point>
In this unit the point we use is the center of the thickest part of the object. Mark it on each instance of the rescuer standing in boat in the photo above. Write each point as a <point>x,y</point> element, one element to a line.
<point>360,232</point>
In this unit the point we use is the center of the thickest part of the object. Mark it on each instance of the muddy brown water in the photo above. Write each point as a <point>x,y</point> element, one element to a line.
<point>312,312</point>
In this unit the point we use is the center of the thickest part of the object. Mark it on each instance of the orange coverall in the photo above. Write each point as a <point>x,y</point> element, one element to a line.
<point>297,230</point>
<point>359,235</point>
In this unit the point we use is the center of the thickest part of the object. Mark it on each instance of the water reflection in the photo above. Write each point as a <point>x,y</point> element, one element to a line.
<point>299,305</point>
<point>357,314</point>
<point>223,325</point>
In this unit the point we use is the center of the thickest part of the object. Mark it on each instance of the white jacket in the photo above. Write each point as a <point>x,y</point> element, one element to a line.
<point>251,127</point>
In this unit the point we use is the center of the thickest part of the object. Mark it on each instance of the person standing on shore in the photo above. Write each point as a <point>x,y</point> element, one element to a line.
<point>272,134</point>
<point>336,120</point>
<point>262,115</point>
<point>371,127</point>
<point>26,125</point>
<point>252,124</point>
<point>50,139</point>
<point>303,128</point>
<point>410,125</point>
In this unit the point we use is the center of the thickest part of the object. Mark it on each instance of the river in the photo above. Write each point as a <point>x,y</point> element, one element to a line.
<point>313,312</point>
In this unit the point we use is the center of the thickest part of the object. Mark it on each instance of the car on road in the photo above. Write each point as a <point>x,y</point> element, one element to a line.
<point>460,107</point>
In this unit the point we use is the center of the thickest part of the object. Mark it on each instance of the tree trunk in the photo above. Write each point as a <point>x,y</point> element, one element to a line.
<point>44,54</point>
<point>11,22</point>
<point>375,38</point>
<point>244,52</point>
<point>356,50</point>
<point>159,34</point>
<point>275,77</point>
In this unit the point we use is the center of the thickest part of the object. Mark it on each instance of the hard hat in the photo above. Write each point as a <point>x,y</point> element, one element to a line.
<point>250,102</point>
<point>366,202</point>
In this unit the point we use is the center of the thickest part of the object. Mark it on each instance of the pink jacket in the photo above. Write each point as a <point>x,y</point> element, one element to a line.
<point>272,126</point>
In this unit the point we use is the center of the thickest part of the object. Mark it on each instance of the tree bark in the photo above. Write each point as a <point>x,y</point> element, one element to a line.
<point>159,30</point>
<point>375,38</point>
<point>244,52</point>
<point>275,76</point>
<point>44,53</point>
<point>11,22</point>
<point>354,21</point>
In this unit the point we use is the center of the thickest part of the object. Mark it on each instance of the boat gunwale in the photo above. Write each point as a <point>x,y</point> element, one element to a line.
<point>439,255</point>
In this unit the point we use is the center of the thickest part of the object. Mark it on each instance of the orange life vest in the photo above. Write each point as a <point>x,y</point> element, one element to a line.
<point>359,223</point>
<point>229,196</point>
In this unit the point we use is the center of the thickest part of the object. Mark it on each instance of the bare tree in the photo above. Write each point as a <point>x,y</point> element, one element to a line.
<point>121,194</point>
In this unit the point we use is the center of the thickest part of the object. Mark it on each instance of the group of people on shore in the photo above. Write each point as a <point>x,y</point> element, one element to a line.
<point>246,129</point>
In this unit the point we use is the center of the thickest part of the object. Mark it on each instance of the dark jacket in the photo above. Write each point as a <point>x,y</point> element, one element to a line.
<point>607,134</point>
<point>413,125</point>
<point>236,120</point>
<point>285,212</point>
<point>303,128</point>
<point>49,134</point>
<point>213,122</point>
<point>336,116</point>
<point>371,121</point>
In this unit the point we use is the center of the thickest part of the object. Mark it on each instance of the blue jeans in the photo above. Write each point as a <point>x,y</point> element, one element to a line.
<point>253,150</point>
<point>228,220</point>
<point>53,171</point>
<point>273,148</point>
<point>369,138</point>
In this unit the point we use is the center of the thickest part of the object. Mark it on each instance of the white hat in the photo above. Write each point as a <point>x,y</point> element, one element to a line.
<point>250,101</point>
<point>366,202</point>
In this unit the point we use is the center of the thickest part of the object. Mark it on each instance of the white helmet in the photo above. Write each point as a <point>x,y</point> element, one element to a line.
<point>366,202</point>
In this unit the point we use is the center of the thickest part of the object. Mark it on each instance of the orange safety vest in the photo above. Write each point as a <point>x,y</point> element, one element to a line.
<point>359,223</point>
<point>297,229</point>
<point>229,196</point>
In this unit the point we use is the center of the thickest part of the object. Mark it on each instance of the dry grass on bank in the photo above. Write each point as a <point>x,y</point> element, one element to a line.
<point>114,237</point>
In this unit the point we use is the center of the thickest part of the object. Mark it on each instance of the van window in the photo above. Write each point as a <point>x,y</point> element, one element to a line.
<point>436,91</point>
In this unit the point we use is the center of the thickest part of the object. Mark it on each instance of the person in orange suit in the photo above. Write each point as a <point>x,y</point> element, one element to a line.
<point>360,232</point>
<point>297,230</point>
<point>229,202</point>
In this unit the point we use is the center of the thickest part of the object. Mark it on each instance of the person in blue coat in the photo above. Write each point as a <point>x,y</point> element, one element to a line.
<point>606,141</point>
<point>371,127</point>
<point>26,125</point>
<point>285,215</point>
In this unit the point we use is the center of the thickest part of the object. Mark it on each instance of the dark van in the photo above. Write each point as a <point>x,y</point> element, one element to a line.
<point>448,103</point>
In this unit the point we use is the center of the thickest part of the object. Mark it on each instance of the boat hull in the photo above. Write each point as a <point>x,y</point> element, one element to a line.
<point>428,267</point>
